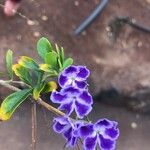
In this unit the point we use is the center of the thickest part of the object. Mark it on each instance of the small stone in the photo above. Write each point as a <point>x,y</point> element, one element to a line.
<point>76,3</point>
<point>36,34</point>
<point>108,29</point>
<point>30,22</point>
<point>44,18</point>
<point>140,44</point>
<point>133,125</point>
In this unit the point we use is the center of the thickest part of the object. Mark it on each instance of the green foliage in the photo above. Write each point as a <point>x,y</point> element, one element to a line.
<point>22,73</point>
<point>9,61</point>
<point>43,47</point>
<point>38,77</point>
<point>49,87</point>
<point>28,62</point>
<point>37,90</point>
<point>12,102</point>
<point>51,59</point>
<point>67,63</point>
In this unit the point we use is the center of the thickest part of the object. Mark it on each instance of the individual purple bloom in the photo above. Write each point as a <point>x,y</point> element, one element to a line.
<point>75,76</point>
<point>68,129</point>
<point>104,133</point>
<point>71,99</point>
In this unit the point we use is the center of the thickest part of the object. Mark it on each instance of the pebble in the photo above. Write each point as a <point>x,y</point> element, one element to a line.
<point>133,125</point>
<point>76,3</point>
<point>44,18</point>
<point>36,34</point>
<point>30,22</point>
<point>84,33</point>
<point>140,44</point>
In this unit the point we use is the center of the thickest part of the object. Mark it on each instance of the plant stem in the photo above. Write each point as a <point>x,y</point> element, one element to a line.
<point>50,107</point>
<point>39,101</point>
<point>6,84</point>
<point>34,125</point>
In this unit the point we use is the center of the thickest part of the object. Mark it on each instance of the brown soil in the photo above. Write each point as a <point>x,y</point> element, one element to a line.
<point>122,64</point>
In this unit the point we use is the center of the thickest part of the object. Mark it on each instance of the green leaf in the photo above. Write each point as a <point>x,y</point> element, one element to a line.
<point>62,57</point>
<point>49,87</point>
<point>51,59</point>
<point>9,56</point>
<point>43,47</point>
<point>37,90</point>
<point>28,62</point>
<point>22,73</point>
<point>12,102</point>
<point>67,63</point>
<point>45,68</point>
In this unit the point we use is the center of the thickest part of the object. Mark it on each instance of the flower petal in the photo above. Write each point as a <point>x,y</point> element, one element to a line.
<point>68,107</point>
<point>68,134</point>
<point>71,71</point>
<point>58,128</point>
<point>62,80</point>
<point>81,84</point>
<point>73,141</point>
<point>57,97</point>
<point>105,123</point>
<point>85,98</point>
<point>81,109</point>
<point>113,132</point>
<point>83,73</point>
<point>71,91</point>
<point>86,130</point>
<point>90,143</point>
<point>106,144</point>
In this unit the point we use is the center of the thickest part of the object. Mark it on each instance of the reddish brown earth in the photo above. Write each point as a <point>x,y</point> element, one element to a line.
<point>120,66</point>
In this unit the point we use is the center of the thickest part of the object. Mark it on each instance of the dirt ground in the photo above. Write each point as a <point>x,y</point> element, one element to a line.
<point>122,64</point>
<point>16,133</point>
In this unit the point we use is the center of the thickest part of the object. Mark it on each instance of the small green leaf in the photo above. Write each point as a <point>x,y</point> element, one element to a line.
<point>22,73</point>
<point>9,56</point>
<point>37,90</point>
<point>43,47</point>
<point>62,57</point>
<point>51,59</point>
<point>12,102</point>
<point>49,87</point>
<point>67,63</point>
<point>45,68</point>
<point>28,62</point>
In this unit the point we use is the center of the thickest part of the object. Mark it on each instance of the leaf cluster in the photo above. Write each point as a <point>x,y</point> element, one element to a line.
<point>37,78</point>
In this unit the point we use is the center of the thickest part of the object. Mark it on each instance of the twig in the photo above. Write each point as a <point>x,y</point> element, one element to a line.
<point>78,146</point>
<point>34,125</point>
<point>6,84</point>
<point>39,101</point>
<point>50,107</point>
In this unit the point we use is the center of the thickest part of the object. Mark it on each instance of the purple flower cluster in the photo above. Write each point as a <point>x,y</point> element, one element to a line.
<point>74,96</point>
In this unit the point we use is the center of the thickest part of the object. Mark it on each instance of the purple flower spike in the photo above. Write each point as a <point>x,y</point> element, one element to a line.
<point>74,76</point>
<point>68,129</point>
<point>104,133</point>
<point>71,99</point>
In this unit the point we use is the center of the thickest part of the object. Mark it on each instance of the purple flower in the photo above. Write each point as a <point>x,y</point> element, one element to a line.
<point>68,129</point>
<point>103,132</point>
<point>71,99</point>
<point>75,76</point>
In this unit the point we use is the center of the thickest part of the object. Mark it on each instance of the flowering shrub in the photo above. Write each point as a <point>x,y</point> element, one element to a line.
<point>73,97</point>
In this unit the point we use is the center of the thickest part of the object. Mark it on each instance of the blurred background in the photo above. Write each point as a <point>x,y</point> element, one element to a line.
<point>115,47</point>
